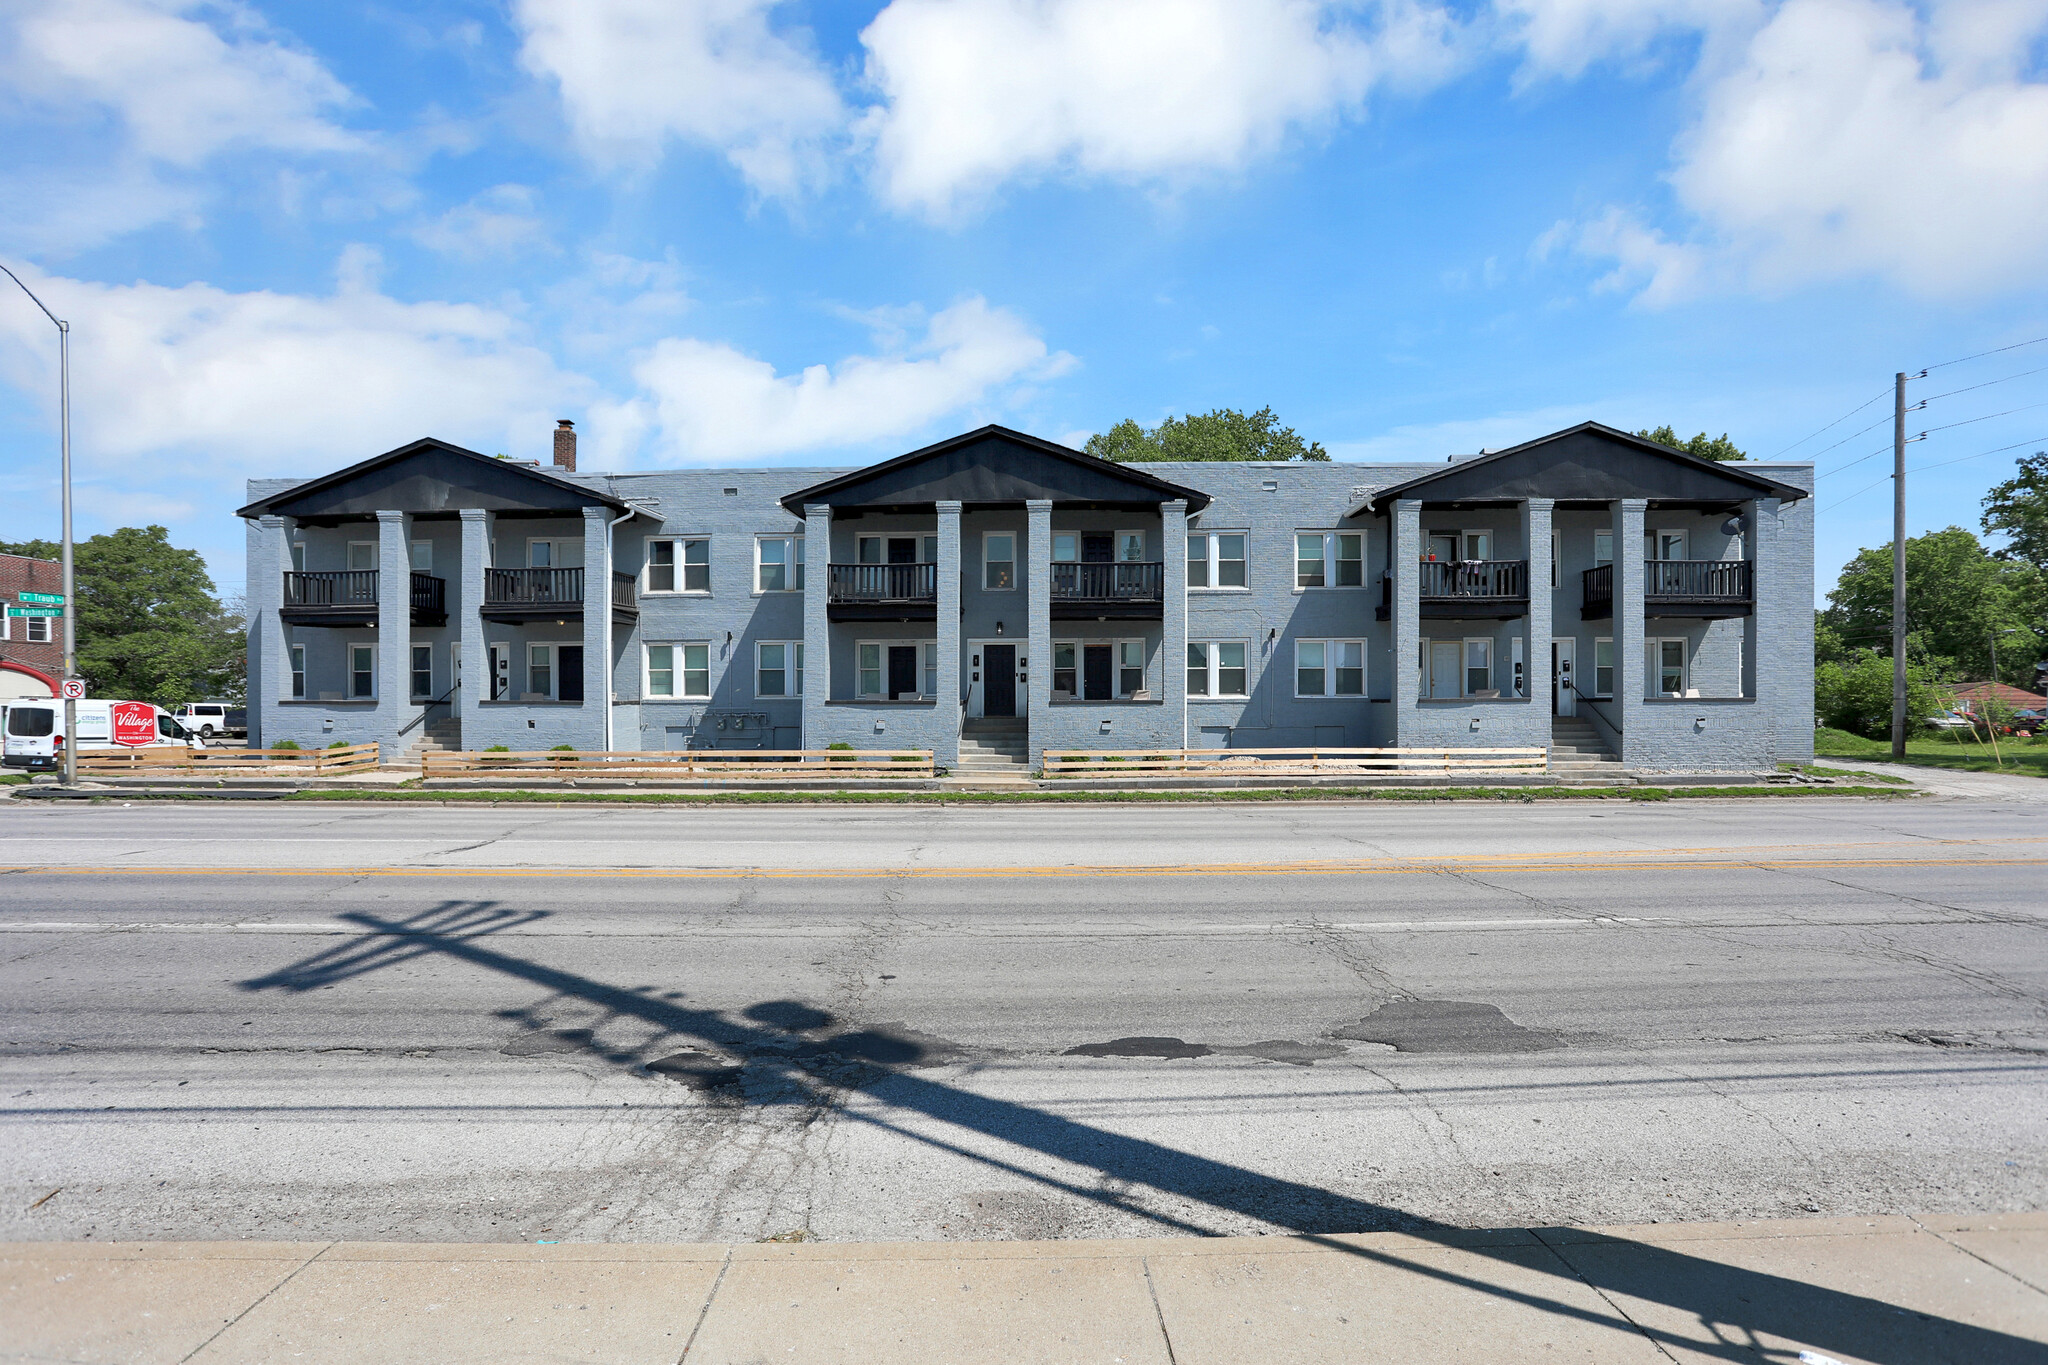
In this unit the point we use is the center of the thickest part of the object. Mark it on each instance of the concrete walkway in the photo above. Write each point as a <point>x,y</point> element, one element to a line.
<point>1889,1291</point>
<point>1969,786</point>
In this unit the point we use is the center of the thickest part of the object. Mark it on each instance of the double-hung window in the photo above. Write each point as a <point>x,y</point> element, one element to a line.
<point>362,555</point>
<point>540,669</point>
<point>38,632</point>
<point>998,561</point>
<point>1216,559</point>
<point>1216,668</point>
<point>1603,667</point>
<point>423,670</point>
<point>1603,547</point>
<point>298,672</point>
<point>1130,667</point>
<point>778,563</point>
<point>1478,665</point>
<point>681,671</point>
<point>779,668</point>
<point>679,564</point>
<point>1329,668</point>
<point>423,556</point>
<point>362,671</point>
<point>1329,559</point>
<point>1666,660</point>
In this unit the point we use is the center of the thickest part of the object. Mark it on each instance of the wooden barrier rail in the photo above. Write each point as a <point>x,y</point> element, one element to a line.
<point>1294,762</point>
<point>269,762</point>
<point>745,765</point>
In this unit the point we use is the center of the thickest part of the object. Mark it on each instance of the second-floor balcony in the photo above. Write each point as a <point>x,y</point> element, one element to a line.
<point>1469,588</point>
<point>1678,587</point>
<point>1124,590</point>
<point>348,597</point>
<point>882,592</point>
<point>549,594</point>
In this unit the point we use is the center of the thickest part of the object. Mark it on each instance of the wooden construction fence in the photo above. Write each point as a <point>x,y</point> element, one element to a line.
<point>266,762</point>
<point>711,765</point>
<point>1261,763</point>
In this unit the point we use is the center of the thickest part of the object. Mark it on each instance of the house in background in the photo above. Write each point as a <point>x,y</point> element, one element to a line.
<point>995,595</point>
<point>31,647</point>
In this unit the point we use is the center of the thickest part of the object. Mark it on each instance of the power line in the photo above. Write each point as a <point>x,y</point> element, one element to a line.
<point>1853,435</point>
<point>1859,460</point>
<point>1837,422</point>
<point>2001,350</point>
<point>1985,385</point>
<point>1987,417</point>
<point>1919,469</point>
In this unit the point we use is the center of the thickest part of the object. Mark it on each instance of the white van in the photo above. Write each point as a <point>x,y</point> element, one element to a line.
<point>35,732</point>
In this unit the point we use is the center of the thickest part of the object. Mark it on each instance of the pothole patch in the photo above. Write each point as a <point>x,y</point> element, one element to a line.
<point>1463,1026</point>
<point>1170,1049</point>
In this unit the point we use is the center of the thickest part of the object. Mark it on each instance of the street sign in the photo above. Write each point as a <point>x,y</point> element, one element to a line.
<point>74,689</point>
<point>133,723</point>
<point>47,599</point>
<point>35,611</point>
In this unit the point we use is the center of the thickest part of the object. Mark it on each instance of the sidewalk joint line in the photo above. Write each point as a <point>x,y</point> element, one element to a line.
<point>1943,1238</point>
<point>1602,1295</point>
<point>705,1311</point>
<point>1158,1313</point>
<point>327,1247</point>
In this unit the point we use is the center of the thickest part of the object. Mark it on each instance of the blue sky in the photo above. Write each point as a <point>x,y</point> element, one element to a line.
<point>292,235</point>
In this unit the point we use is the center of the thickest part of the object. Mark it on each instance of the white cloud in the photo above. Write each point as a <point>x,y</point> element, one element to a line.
<point>499,221</point>
<point>1564,37</point>
<point>708,402</point>
<point>183,88</point>
<point>981,91</point>
<point>1848,138</point>
<point>215,383</point>
<point>634,73</point>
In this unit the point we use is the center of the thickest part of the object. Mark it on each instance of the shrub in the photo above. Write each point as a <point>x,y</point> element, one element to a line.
<point>841,745</point>
<point>339,744</point>
<point>291,744</point>
<point>563,749</point>
<point>1856,695</point>
<point>499,749</point>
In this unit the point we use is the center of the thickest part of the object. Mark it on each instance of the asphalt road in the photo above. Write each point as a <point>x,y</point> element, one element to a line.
<point>471,1023</point>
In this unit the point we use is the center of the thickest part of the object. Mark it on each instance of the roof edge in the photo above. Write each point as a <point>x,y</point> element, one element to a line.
<point>261,506</point>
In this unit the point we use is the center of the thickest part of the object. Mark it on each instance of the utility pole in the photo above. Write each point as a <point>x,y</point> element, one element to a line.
<point>70,584</point>
<point>1899,567</point>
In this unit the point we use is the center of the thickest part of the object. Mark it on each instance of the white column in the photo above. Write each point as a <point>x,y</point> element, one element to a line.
<point>818,731</point>
<point>1037,664</point>
<point>1407,534</point>
<point>592,723</point>
<point>948,635</point>
<point>270,653</point>
<point>468,601</point>
<point>394,633</point>
<point>1173,623</point>
<point>1630,682</point>
<point>1536,626</point>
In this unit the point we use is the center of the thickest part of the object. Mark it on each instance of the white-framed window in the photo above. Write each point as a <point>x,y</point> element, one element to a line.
<point>1664,544</point>
<point>1449,546</point>
<point>1603,667</point>
<point>1216,668</point>
<point>998,561</point>
<point>896,549</point>
<point>896,670</point>
<point>362,555</point>
<point>1216,559</point>
<point>678,564</point>
<point>1329,668</point>
<point>362,672</point>
<point>678,669</point>
<point>541,554</point>
<point>779,668</point>
<point>1098,670</point>
<point>423,555</point>
<point>298,556</point>
<point>1478,664</point>
<point>37,629</point>
<point>1667,661</point>
<point>778,563</point>
<point>1329,559</point>
<point>1603,547</point>
<point>422,670</point>
<point>298,672</point>
<point>540,668</point>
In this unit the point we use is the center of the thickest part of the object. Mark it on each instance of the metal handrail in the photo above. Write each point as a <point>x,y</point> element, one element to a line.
<point>533,587</point>
<point>917,582</point>
<point>330,588</point>
<point>1120,581</point>
<point>1470,578</point>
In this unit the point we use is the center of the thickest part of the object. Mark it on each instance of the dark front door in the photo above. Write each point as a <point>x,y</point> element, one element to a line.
<point>902,671</point>
<point>1098,548</point>
<point>569,687</point>
<point>999,680</point>
<point>1095,673</point>
<point>903,549</point>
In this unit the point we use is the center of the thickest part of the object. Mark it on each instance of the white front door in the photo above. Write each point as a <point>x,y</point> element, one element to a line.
<point>1563,700</point>
<point>1443,668</point>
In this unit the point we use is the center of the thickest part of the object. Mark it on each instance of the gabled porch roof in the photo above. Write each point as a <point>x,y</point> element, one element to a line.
<point>430,478</point>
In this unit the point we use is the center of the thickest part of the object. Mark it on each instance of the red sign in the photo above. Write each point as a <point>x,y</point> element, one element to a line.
<point>134,722</point>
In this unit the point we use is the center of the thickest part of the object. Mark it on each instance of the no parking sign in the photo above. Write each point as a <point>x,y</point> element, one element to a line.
<point>74,689</point>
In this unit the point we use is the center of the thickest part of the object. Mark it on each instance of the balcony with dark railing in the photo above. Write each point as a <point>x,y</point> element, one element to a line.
<point>1126,590</point>
<point>348,597</point>
<point>882,592</point>
<point>1470,588</point>
<point>1678,587</point>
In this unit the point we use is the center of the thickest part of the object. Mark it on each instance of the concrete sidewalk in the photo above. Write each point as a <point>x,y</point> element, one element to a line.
<point>1883,1290</point>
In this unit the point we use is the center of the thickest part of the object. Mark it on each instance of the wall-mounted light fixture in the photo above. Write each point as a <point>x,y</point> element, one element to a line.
<point>728,637</point>
<point>999,627</point>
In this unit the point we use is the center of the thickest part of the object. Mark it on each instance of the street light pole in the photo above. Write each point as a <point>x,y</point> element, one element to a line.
<point>70,584</point>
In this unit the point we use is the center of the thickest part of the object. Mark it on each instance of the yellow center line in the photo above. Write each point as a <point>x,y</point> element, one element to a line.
<point>1402,867</point>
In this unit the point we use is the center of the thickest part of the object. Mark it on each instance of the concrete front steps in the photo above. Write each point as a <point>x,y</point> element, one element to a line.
<point>440,736</point>
<point>994,749</point>
<point>1579,757</point>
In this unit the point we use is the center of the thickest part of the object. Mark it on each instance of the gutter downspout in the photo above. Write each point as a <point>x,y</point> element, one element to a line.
<point>609,684</point>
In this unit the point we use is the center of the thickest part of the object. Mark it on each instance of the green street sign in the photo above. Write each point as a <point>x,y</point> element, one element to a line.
<point>35,611</point>
<point>47,599</point>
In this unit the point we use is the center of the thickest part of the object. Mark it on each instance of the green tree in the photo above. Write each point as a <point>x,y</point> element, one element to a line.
<point>1957,596</point>
<point>1705,446</point>
<point>1225,434</point>
<point>149,625</point>
<point>1855,694</point>
<point>2018,510</point>
<point>32,549</point>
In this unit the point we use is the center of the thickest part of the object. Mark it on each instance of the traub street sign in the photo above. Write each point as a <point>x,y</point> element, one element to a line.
<point>47,599</point>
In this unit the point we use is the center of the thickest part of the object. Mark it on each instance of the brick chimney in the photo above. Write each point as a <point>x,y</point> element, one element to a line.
<point>565,446</point>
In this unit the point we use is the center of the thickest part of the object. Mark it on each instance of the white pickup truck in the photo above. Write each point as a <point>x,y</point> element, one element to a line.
<point>208,719</point>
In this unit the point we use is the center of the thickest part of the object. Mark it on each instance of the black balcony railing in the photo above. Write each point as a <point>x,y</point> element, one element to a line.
<point>429,594</point>
<point>353,589</point>
<point>533,587</point>
<point>1702,582</point>
<point>1122,582</point>
<point>1464,579</point>
<point>884,583</point>
<point>625,593</point>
